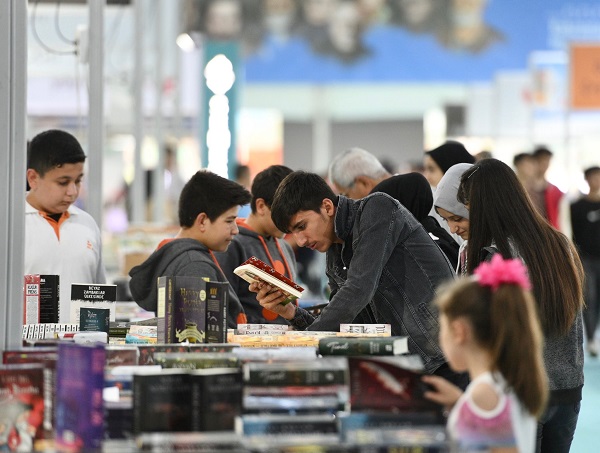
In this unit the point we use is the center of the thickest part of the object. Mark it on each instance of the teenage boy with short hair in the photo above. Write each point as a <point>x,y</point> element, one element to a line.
<point>208,207</point>
<point>60,239</point>
<point>259,237</point>
<point>382,265</point>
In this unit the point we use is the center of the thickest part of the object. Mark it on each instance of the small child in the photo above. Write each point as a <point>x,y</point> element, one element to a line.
<point>489,327</point>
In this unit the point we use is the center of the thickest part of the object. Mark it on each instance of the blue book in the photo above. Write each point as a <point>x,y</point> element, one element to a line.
<point>79,408</point>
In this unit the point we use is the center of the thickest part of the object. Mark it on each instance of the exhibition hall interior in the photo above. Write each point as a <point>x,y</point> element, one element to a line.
<point>156,90</point>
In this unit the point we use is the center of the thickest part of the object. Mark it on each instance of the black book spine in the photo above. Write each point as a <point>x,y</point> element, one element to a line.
<point>283,377</point>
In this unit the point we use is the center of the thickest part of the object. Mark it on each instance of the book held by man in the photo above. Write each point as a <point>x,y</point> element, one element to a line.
<point>254,270</point>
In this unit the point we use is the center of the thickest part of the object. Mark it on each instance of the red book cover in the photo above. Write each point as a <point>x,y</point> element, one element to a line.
<point>386,384</point>
<point>21,406</point>
<point>254,269</point>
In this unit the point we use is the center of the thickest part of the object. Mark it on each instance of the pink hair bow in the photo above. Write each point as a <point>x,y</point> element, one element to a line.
<point>500,271</point>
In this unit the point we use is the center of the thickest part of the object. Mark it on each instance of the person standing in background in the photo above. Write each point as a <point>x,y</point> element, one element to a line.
<point>436,163</point>
<point>585,223</point>
<point>60,239</point>
<point>549,196</point>
<point>258,236</point>
<point>244,179</point>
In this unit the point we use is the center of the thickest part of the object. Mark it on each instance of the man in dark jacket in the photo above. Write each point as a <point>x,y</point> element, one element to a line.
<point>382,265</point>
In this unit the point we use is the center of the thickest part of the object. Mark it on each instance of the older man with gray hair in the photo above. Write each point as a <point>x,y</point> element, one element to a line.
<point>355,172</point>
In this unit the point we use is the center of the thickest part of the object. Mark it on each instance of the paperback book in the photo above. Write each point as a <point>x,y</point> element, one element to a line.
<point>254,270</point>
<point>351,346</point>
<point>31,299</point>
<point>94,319</point>
<point>92,296</point>
<point>49,298</point>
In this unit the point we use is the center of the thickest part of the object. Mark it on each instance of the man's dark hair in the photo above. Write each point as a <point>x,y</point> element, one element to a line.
<point>588,172</point>
<point>299,191</point>
<point>266,182</point>
<point>520,158</point>
<point>51,149</point>
<point>541,151</point>
<point>209,193</point>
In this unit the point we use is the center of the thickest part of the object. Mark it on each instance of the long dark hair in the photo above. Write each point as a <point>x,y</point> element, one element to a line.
<point>502,214</point>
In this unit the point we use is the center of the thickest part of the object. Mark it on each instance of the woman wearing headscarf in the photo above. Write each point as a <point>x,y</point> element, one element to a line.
<point>412,190</point>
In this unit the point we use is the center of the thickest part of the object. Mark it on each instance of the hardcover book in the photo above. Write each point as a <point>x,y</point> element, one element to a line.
<point>254,270</point>
<point>216,311</point>
<point>196,360</point>
<point>216,398</point>
<point>49,298</point>
<point>31,299</point>
<point>369,329</point>
<point>161,402</point>
<point>182,302</point>
<point>349,346</point>
<point>390,384</point>
<point>22,408</point>
<point>79,384</point>
<point>92,295</point>
<point>121,355</point>
<point>325,371</point>
<point>47,357</point>
<point>147,351</point>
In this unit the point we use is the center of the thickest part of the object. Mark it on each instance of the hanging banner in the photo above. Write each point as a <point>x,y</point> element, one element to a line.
<point>585,76</point>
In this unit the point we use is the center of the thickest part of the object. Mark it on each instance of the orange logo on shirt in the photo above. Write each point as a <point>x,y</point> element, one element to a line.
<point>89,245</point>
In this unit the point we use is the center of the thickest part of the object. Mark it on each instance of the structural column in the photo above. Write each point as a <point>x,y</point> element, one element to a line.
<point>13,157</point>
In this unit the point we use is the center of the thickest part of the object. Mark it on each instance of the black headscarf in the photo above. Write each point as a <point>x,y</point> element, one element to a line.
<point>449,154</point>
<point>412,190</point>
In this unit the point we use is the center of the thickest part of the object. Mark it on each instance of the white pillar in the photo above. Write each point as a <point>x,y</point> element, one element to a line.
<point>96,130</point>
<point>13,88</point>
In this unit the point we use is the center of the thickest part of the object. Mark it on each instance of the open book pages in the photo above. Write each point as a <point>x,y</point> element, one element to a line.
<point>255,270</point>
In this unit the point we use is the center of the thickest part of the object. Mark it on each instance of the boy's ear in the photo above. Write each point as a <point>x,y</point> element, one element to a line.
<point>261,206</point>
<point>32,177</point>
<point>328,206</point>
<point>202,221</point>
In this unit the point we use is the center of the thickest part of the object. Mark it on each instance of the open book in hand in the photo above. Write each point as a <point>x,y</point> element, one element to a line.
<point>254,270</point>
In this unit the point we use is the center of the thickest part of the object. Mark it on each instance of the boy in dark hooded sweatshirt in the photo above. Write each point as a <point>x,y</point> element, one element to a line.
<point>208,207</point>
<point>259,237</point>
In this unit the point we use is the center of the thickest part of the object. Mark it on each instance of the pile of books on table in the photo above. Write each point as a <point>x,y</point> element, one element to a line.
<point>357,392</point>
